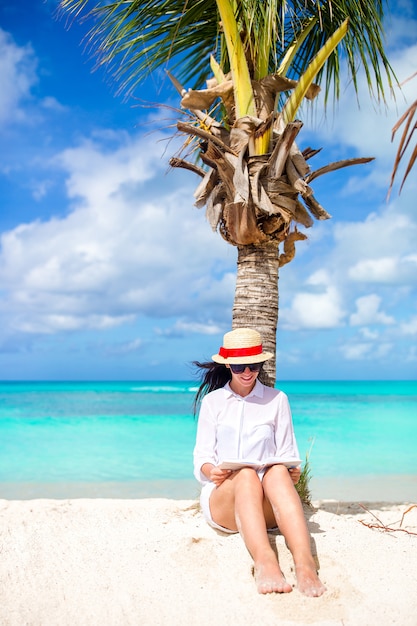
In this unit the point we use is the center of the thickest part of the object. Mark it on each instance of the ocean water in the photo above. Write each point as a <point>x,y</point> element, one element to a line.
<point>128,439</point>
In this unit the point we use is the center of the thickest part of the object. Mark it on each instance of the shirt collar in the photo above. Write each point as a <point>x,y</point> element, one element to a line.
<point>257,391</point>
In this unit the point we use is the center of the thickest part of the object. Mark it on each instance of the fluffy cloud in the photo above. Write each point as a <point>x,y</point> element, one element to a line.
<point>368,312</point>
<point>381,249</point>
<point>366,269</point>
<point>124,248</point>
<point>320,307</point>
<point>182,328</point>
<point>365,351</point>
<point>410,327</point>
<point>17,77</point>
<point>385,270</point>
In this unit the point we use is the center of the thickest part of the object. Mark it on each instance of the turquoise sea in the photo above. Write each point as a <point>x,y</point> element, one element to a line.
<point>135,439</point>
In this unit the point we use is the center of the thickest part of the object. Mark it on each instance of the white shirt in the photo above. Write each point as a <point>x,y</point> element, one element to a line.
<point>254,427</point>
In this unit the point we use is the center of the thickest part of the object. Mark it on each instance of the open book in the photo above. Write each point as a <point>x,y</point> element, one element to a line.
<point>259,465</point>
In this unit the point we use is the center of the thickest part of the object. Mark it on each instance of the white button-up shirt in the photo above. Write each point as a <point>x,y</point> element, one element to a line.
<point>253,427</point>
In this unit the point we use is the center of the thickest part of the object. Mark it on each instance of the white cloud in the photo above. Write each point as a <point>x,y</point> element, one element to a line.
<point>367,312</point>
<point>317,310</point>
<point>40,188</point>
<point>17,77</point>
<point>412,355</point>
<point>371,270</point>
<point>369,334</point>
<point>124,249</point>
<point>127,347</point>
<point>182,328</point>
<point>410,327</point>
<point>380,249</point>
<point>356,259</point>
<point>360,351</point>
<point>356,351</point>
<point>96,173</point>
<point>385,270</point>
<point>47,324</point>
<point>52,104</point>
<point>321,308</point>
<point>321,277</point>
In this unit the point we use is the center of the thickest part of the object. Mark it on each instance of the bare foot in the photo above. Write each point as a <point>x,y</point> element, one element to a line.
<point>269,578</point>
<point>308,581</point>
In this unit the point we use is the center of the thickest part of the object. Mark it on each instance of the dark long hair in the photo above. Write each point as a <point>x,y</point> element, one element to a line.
<point>213,376</point>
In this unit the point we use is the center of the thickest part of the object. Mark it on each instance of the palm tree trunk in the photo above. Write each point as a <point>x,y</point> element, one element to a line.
<point>256,297</point>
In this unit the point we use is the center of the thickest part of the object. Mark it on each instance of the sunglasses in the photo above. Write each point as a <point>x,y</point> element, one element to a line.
<point>240,368</point>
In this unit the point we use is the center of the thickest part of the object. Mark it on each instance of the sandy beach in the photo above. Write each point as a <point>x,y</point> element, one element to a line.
<point>156,562</point>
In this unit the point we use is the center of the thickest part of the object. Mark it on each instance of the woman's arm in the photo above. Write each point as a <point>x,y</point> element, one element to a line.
<point>204,450</point>
<point>285,442</point>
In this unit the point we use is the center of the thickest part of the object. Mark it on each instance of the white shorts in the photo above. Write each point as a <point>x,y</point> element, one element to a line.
<point>205,494</point>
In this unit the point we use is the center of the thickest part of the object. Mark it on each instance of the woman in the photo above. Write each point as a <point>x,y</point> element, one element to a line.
<point>240,418</point>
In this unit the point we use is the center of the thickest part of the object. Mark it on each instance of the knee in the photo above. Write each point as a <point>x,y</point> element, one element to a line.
<point>277,473</point>
<point>279,470</point>
<point>247,475</point>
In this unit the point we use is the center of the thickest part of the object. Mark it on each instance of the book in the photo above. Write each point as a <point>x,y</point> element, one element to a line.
<point>236,464</point>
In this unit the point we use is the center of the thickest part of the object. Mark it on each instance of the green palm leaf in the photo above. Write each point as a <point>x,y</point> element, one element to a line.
<point>244,98</point>
<point>294,101</point>
<point>136,37</point>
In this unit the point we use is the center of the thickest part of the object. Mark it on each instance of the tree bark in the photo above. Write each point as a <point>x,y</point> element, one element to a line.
<point>256,298</point>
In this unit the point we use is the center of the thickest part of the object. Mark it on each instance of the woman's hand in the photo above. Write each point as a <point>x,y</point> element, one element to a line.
<point>218,476</point>
<point>215,474</point>
<point>295,473</point>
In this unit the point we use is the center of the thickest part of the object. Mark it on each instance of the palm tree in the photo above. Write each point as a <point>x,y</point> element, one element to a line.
<point>258,59</point>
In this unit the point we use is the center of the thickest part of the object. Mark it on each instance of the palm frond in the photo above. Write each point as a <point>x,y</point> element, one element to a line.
<point>362,46</point>
<point>405,139</point>
<point>136,37</point>
<point>242,86</point>
<point>294,101</point>
<point>287,60</point>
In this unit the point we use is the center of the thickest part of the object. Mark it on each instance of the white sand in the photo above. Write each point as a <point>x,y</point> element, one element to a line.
<point>157,563</point>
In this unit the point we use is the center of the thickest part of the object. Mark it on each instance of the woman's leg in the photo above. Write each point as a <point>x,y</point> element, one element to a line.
<point>289,514</point>
<point>238,504</point>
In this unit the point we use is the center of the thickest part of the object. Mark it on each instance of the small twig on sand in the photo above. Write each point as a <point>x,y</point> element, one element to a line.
<point>382,526</point>
<point>413,506</point>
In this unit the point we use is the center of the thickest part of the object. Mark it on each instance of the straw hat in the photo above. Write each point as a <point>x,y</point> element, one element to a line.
<point>242,345</point>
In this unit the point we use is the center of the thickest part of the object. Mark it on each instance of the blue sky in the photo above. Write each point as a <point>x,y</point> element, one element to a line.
<point>108,271</point>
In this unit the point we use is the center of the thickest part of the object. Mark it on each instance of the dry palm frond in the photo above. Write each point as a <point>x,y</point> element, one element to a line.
<point>253,198</point>
<point>289,249</point>
<point>337,165</point>
<point>260,175</point>
<point>408,132</point>
<point>186,165</point>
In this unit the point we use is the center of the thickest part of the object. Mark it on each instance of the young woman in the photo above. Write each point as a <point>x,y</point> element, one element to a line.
<point>240,418</point>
